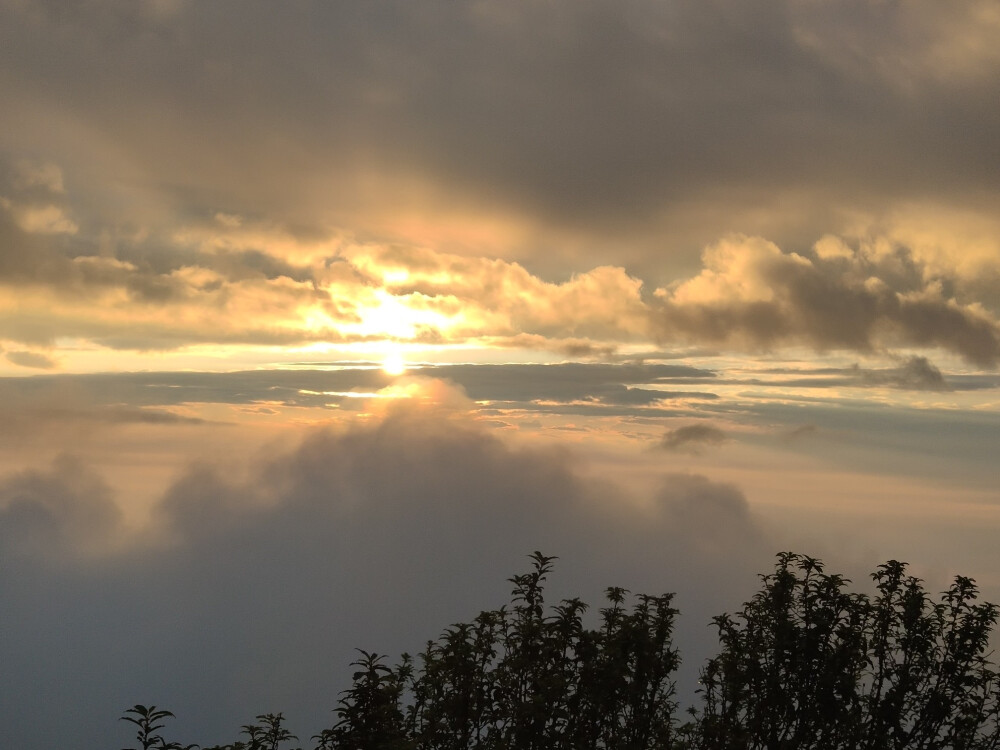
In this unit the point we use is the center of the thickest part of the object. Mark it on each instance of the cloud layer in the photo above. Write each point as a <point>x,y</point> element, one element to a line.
<point>750,295</point>
<point>247,595</point>
<point>470,173</point>
<point>592,113</point>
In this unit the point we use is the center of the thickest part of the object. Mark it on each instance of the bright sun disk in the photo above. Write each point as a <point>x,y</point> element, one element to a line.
<point>393,363</point>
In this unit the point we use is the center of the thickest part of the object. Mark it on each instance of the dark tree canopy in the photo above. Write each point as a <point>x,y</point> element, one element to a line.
<point>805,664</point>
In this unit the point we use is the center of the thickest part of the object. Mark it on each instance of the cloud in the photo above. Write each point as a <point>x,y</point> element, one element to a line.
<point>44,220</point>
<point>608,126</point>
<point>798,433</point>
<point>750,294</point>
<point>31,359</point>
<point>501,298</point>
<point>46,176</point>
<point>862,295</point>
<point>715,514</point>
<point>250,589</point>
<point>255,283</point>
<point>316,385</point>
<point>60,512</point>
<point>915,373</point>
<point>693,438</point>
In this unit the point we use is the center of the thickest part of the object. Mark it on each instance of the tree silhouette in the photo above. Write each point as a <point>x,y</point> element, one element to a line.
<point>149,720</point>
<point>521,677</point>
<point>804,664</point>
<point>807,664</point>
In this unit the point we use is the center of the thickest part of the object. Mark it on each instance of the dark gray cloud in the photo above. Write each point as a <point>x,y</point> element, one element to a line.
<point>28,257</point>
<point>65,416</point>
<point>596,114</point>
<point>715,514</point>
<point>199,157</point>
<point>648,396</point>
<point>518,384</point>
<point>613,383</point>
<point>693,438</point>
<point>915,373</point>
<point>34,360</point>
<point>800,432</point>
<point>864,435</point>
<point>250,595</point>
<point>111,415</point>
<point>59,512</point>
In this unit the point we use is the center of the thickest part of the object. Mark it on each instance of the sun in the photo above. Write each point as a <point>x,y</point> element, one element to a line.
<point>393,363</point>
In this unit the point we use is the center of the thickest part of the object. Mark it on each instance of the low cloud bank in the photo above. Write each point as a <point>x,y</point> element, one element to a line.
<point>248,594</point>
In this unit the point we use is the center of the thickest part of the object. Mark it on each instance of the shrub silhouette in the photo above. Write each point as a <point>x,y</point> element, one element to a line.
<point>804,664</point>
<point>807,664</point>
<point>149,720</point>
<point>519,677</point>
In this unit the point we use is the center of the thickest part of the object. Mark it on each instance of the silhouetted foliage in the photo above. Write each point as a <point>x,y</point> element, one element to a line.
<point>269,734</point>
<point>805,664</point>
<point>520,677</point>
<point>148,720</point>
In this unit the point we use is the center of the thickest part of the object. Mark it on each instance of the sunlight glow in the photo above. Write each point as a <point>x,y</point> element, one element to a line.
<point>395,276</point>
<point>400,317</point>
<point>394,363</point>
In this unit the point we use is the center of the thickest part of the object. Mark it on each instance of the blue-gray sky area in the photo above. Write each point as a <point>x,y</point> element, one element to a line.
<point>317,318</point>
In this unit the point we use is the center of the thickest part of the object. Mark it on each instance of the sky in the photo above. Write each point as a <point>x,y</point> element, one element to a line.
<point>317,318</point>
